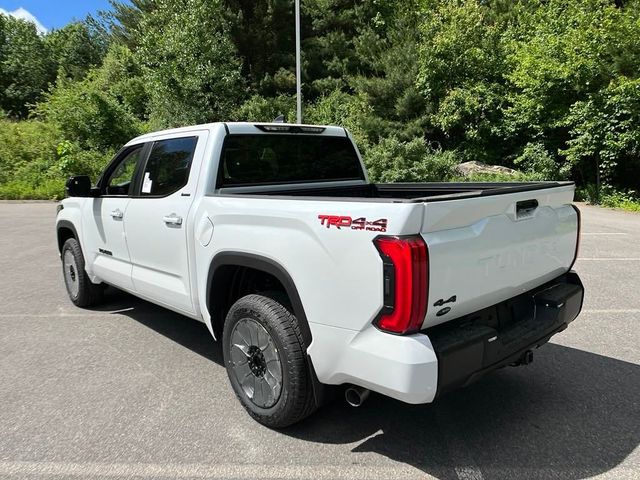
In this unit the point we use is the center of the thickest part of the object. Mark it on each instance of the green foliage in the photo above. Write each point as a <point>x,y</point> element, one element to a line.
<point>609,197</point>
<point>462,62</point>
<point>73,160</point>
<point>29,62</point>
<point>497,177</point>
<point>123,22</point>
<point>190,66</point>
<point>262,33</point>
<point>625,200</point>
<point>121,77</point>
<point>75,49</point>
<point>349,111</point>
<point>27,149</point>
<point>573,72</point>
<point>606,127</point>
<point>46,189</point>
<point>393,160</point>
<point>550,88</point>
<point>261,109</point>
<point>25,67</point>
<point>89,115</point>
<point>538,163</point>
<point>29,161</point>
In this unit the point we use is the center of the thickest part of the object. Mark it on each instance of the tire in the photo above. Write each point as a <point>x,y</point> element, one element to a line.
<point>81,291</point>
<point>265,358</point>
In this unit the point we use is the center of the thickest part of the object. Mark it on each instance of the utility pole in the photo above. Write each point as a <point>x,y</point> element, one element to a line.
<point>298,67</point>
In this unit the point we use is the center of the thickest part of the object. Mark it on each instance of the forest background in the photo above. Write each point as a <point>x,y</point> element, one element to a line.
<point>549,88</point>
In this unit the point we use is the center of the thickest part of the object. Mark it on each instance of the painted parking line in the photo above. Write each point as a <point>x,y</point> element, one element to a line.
<point>603,233</point>
<point>152,470</point>
<point>86,315</point>
<point>612,310</point>
<point>609,259</point>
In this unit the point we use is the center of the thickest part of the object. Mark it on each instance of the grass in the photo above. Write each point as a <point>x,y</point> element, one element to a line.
<point>620,201</point>
<point>21,190</point>
<point>610,198</point>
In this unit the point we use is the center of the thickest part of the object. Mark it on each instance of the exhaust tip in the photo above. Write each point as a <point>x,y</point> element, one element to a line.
<point>356,396</point>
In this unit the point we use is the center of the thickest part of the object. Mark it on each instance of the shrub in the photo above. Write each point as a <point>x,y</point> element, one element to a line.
<point>92,117</point>
<point>261,109</point>
<point>537,163</point>
<point>49,189</point>
<point>392,160</point>
<point>349,111</point>
<point>27,145</point>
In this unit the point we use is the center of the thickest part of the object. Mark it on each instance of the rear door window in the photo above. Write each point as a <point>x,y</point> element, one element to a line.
<point>168,166</point>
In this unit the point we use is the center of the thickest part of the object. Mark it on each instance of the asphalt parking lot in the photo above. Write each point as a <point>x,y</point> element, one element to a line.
<point>131,390</point>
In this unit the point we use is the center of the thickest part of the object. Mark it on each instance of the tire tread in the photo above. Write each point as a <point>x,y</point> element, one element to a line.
<point>286,327</point>
<point>89,294</point>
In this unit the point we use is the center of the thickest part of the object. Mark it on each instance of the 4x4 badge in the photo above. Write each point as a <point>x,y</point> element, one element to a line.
<point>442,301</point>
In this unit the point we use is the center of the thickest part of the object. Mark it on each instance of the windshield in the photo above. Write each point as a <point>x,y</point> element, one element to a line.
<point>282,158</point>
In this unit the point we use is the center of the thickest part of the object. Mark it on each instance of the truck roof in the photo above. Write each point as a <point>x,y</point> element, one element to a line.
<point>244,128</point>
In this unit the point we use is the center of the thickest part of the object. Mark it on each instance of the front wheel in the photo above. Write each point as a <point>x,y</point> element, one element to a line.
<point>265,358</point>
<point>81,291</point>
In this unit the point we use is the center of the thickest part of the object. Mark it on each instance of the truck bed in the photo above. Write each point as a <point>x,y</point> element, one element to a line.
<point>487,242</point>
<point>394,192</point>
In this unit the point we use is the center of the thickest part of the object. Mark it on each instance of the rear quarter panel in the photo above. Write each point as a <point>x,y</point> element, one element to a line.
<point>336,270</point>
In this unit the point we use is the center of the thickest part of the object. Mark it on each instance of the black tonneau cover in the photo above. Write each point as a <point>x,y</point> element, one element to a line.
<point>390,192</point>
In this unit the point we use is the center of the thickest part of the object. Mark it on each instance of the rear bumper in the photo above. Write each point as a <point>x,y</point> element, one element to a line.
<point>417,368</point>
<point>500,335</point>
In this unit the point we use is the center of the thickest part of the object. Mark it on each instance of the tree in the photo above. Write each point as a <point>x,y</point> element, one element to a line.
<point>573,85</point>
<point>88,114</point>
<point>461,75</point>
<point>263,32</point>
<point>123,21</point>
<point>25,66</point>
<point>189,63</point>
<point>75,49</point>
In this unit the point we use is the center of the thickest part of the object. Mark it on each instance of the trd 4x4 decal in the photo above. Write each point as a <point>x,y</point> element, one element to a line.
<point>361,223</point>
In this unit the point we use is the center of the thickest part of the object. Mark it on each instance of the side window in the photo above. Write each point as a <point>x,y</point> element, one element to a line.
<point>121,178</point>
<point>167,169</point>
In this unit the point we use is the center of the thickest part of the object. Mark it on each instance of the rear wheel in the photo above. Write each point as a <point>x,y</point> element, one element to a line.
<point>81,291</point>
<point>265,358</point>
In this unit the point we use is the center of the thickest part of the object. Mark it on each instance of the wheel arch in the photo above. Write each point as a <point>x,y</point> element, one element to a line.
<point>64,231</point>
<point>217,278</point>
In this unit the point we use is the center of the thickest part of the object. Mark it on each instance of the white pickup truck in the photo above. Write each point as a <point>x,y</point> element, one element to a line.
<point>310,275</point>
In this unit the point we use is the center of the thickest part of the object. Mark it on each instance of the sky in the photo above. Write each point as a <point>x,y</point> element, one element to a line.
<point>50,14</point>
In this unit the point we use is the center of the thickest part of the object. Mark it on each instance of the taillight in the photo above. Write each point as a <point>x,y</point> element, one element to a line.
<point>405,283</point>
<point>579,219</point>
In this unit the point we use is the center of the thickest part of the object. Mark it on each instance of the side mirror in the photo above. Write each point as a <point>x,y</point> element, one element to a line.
<point>79,186</point>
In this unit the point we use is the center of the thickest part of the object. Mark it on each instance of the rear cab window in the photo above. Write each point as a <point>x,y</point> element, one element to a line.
<point>271,159</point>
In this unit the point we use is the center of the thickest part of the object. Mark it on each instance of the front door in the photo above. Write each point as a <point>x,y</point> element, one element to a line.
<point>103,220</point>
<point>157,221</point>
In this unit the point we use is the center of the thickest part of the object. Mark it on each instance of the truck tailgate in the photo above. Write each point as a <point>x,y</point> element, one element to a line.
<point>485,250</point>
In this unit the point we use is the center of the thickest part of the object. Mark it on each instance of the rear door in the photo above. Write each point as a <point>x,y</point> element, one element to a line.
<point>103,220</point>
<point>485,250</point>
<point>157,220</point>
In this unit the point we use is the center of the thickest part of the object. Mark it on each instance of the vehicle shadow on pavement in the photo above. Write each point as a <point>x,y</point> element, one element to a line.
<point>189,333</point>
<point>570,414</point>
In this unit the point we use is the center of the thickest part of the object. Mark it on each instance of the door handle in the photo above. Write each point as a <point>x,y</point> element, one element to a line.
<point>117,213</point>
<point>172,219</point>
